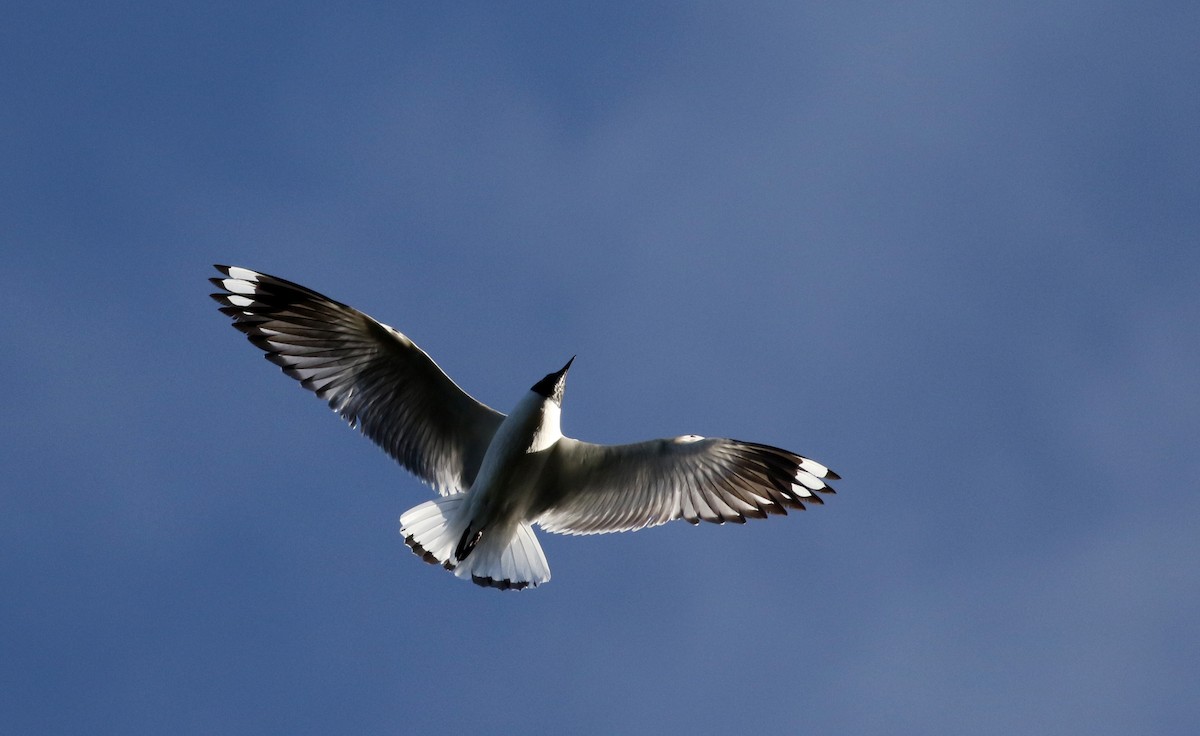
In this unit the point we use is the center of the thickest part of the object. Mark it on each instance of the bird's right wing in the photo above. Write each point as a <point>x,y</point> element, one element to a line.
<point>614,488</point>
<point>372,375</point>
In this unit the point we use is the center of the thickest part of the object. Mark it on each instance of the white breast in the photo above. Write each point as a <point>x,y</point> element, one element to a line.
<point>507,482</point>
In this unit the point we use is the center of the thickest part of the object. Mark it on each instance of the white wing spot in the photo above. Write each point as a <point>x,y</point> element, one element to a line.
<point>816,468</point>
<point>688,438</point>
<point>244,274</point>
<point>237,286</point>
<point>808,480</point>
<point>240,301</point>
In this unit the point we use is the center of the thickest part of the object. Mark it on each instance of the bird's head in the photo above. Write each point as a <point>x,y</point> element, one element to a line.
<point>553,384</point>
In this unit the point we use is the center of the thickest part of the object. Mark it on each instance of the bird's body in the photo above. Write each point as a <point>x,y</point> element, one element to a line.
<point>503,499</point>
<point>497,475</point>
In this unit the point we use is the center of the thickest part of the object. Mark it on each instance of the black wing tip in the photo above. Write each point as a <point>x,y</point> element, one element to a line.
<point>783,454</point>
<point>792,503</point>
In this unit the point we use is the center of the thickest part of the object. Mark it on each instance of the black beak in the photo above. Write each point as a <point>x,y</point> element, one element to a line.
<point>552,385</point>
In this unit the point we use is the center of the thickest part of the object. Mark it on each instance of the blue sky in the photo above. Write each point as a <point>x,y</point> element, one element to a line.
<point>948,249</point>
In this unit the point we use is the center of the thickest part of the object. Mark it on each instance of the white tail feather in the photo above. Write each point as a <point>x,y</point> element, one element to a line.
<point>433,529</point>
<point>510,559</point>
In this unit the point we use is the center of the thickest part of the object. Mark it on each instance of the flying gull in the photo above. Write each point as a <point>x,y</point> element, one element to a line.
<point>498,475</point>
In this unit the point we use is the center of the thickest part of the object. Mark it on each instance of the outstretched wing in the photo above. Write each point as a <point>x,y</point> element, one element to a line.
<point>375,377</point>
<point>614,488</point>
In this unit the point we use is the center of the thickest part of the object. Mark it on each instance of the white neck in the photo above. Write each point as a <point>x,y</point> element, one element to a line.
<point>549,429</point>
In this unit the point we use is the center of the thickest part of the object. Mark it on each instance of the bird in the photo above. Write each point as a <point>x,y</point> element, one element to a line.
<point>497,475</point>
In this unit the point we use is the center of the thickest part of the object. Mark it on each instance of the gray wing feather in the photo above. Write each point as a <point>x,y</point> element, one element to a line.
<point>592,489</point>
<point>373,376</point>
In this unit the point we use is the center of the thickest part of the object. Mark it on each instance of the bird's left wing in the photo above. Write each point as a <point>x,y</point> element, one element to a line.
<point>592,489</point>
<point>372,375</point>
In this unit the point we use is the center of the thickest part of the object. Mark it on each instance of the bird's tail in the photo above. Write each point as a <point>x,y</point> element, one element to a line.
<point>509,559</point>
<point>434,528</point>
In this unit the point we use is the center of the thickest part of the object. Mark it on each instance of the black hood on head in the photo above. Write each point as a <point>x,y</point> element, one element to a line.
<point>553,384</point>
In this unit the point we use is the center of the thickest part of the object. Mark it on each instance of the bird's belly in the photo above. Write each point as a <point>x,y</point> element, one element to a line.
<point>505,491</point>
